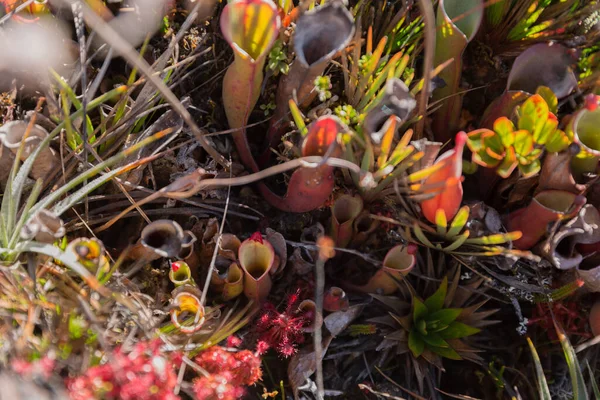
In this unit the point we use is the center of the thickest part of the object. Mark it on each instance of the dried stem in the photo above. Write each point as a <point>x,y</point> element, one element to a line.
<point>128,52</point>
<point>429,46</point>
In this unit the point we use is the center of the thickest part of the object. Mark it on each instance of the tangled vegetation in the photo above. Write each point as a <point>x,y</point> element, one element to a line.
<point>299,200</point>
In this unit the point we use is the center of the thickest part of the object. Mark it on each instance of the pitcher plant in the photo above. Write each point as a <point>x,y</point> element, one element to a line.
<point>251,28</point>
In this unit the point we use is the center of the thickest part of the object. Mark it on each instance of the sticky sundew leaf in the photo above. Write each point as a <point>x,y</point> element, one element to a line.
<point>436,301</point>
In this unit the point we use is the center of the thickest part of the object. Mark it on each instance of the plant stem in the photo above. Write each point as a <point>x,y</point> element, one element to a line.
<point>429,48</point>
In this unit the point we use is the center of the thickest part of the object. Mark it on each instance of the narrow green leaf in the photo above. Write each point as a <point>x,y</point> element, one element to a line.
<point>457,330</point>
<point>415,343</point>
<point>543,390</point>
<point>298,117</point>
<point>444,316</point>
<point>499,238</point>
<point>459,221</point>
<point>579,389</point>
<point>33,196</point>
<point>420,310</point>
<point>593,380</point>
<point>421,236</point>
<point>434,340</point>
<point>435,302</point>
<point>459,241</point>
<point>448,352</point>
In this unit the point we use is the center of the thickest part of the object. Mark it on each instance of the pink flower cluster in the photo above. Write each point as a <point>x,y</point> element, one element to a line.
<point>142,374</point>
<point>283,331</point>
<point>38,368</point>
<point>228,373</point>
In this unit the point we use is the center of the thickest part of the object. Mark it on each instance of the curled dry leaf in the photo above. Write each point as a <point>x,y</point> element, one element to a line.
<point>303,364</point>
<point>301,261</point>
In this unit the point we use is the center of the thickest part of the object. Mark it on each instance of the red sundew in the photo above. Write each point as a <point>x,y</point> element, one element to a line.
<point>243,366</point>
<point>248,371</point>
<point>42,367</point>
<point>217,387</point>
<point>142,374</point>
<point>262,347</point>
<point>233,341</point>
<point>257,237</point>
<point>283,331</point>
<point>567,315</point>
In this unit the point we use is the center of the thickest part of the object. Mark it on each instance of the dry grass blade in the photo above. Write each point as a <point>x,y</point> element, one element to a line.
<point>129,53</point>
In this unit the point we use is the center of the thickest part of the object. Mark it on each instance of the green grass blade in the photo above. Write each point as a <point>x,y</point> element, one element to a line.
<point>28,164</point>
<point>543,390</point>
<point>67,203</point>
<point>33,196</point>
<point>593,380</point>
<point>579,389</point>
